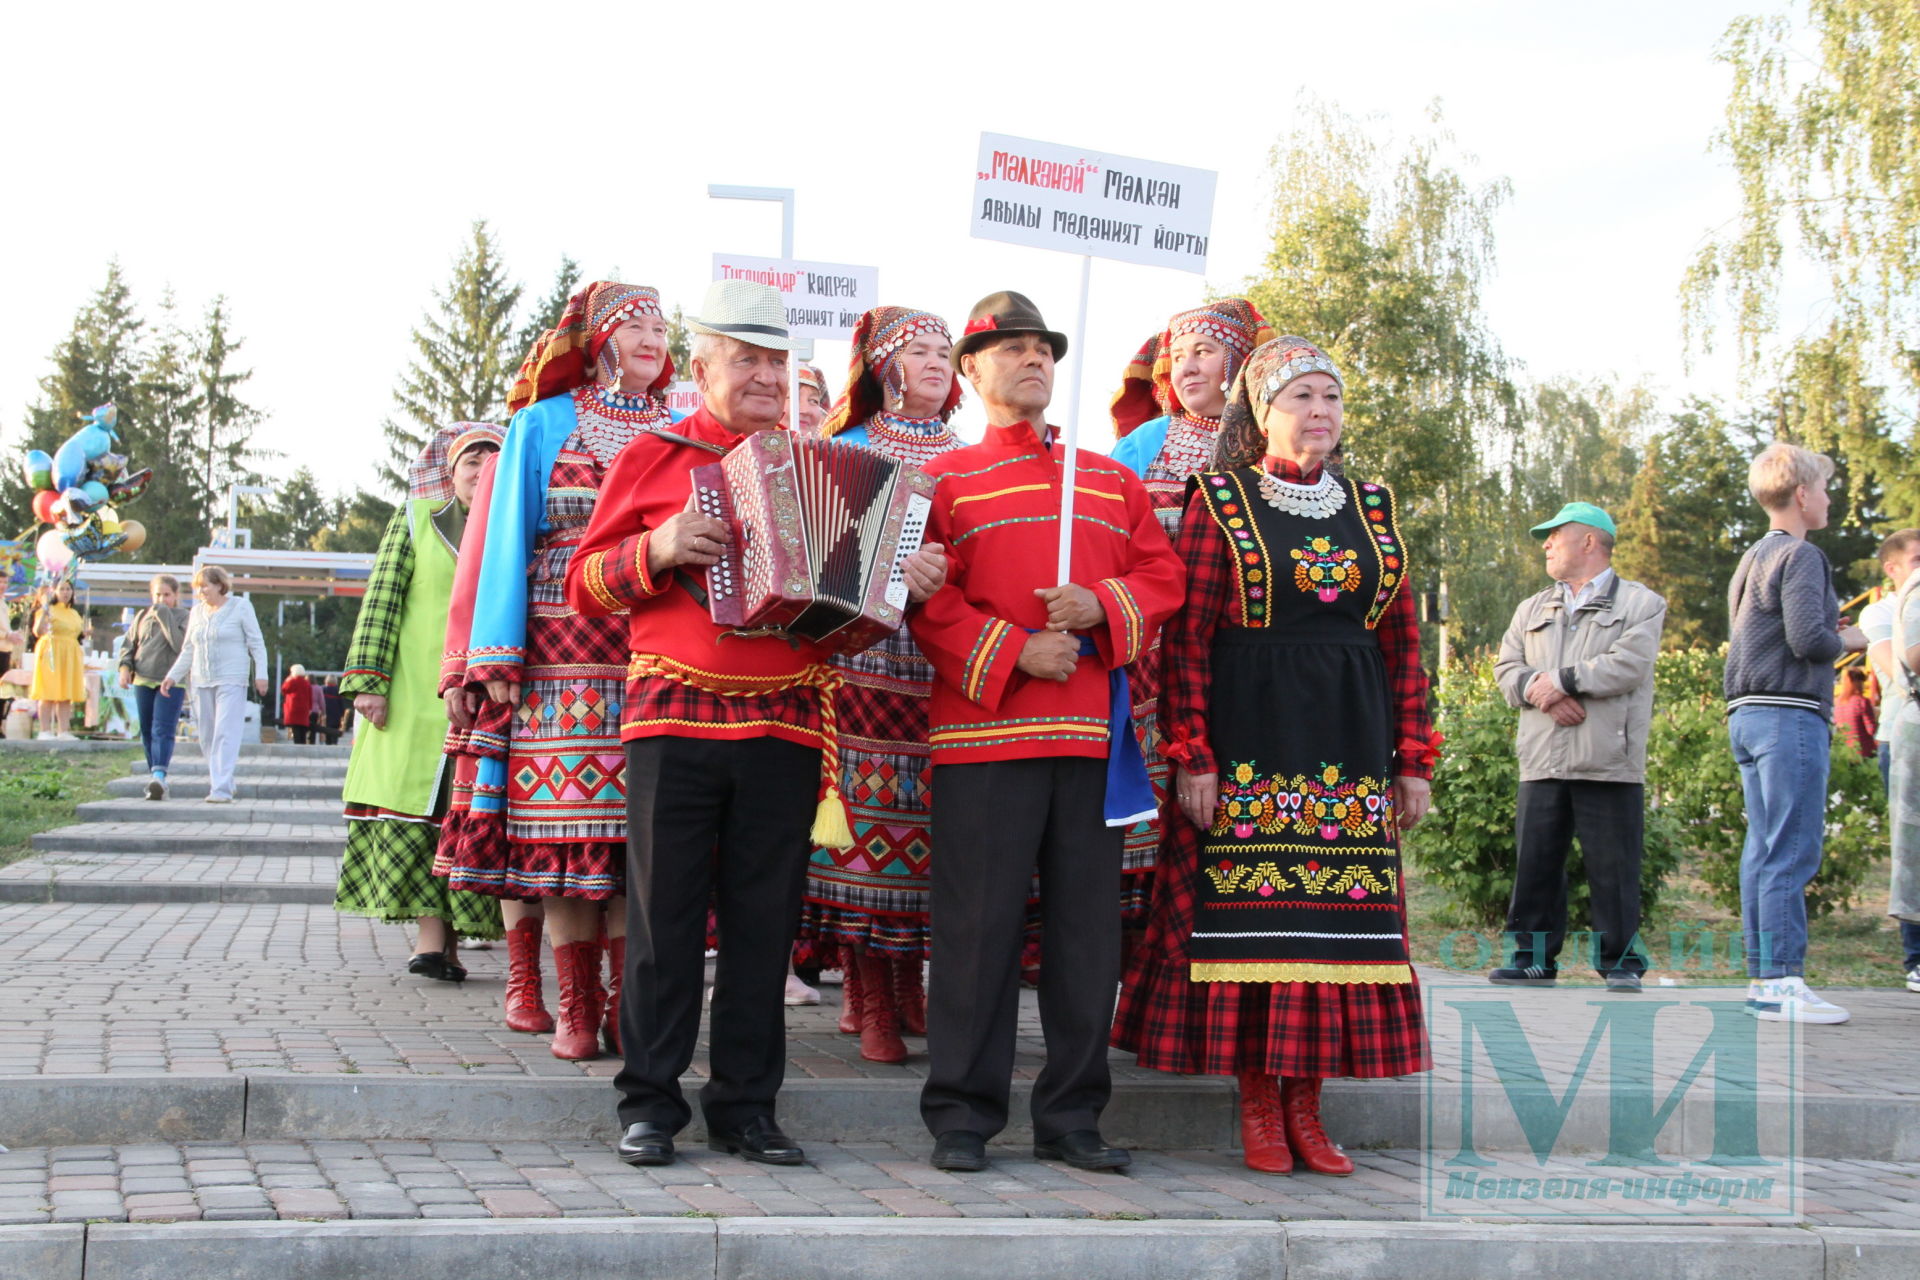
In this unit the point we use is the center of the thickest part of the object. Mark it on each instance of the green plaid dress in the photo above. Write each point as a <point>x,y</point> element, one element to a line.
<point>397,780</point>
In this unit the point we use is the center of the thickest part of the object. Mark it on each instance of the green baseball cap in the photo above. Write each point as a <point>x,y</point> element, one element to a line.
<point>1577,513</point>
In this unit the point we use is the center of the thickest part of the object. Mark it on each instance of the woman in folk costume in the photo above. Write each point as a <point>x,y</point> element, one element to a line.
<point>1294,707</point>
<point>398,780</point>
<point>814,400</point>
<point>1166,416</point>
<point>548,811</point>
<point>871,899</point>
<point>524,920</point>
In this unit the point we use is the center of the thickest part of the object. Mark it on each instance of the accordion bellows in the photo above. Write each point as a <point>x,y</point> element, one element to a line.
<point>820,530</point>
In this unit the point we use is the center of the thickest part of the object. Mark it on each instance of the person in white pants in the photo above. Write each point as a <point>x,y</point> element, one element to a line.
<point>223,637</point>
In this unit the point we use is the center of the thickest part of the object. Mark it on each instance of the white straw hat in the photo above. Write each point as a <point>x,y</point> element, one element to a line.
<point>741,309</point>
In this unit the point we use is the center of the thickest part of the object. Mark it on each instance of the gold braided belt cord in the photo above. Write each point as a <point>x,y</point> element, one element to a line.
<point>831,826</point>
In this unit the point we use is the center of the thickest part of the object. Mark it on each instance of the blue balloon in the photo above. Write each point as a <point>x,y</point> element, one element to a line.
<point>94,440</point>
<point>96,493</point>
<point>39,469</point>
<point>70,463</point>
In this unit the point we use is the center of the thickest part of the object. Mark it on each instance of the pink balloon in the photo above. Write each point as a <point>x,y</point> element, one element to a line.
<point>54,554</point>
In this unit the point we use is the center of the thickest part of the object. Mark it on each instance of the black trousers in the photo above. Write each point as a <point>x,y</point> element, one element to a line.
<point>993,825</point>
<point>725,820</point>
<point>1610,820</point>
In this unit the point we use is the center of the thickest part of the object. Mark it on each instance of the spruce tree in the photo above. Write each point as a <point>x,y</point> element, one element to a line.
<point>546,311</point>
<point>223,422</point>
<point>464,355</point>
<point>157,431</point>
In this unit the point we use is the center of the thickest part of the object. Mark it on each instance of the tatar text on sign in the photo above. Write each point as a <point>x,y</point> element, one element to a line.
<point>824,299</point>
<point>1048,196</point>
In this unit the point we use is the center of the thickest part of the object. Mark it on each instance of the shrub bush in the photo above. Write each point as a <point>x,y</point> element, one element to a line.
<point>1466,846</point>
<point>1694,802</point>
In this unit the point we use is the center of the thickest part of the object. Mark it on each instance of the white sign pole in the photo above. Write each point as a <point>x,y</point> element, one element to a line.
<point>1070,442</point>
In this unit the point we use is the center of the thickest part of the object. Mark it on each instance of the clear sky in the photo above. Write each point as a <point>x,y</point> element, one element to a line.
<point>320,164</point>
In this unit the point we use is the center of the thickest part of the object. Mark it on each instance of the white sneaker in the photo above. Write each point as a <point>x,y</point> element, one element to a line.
<point>1791,1000</point>
<point>799,993</point>
<point>1913,978</point>
<point>156,789</point>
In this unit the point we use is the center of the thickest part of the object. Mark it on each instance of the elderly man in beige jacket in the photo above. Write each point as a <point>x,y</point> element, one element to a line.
<point>1577,661</point>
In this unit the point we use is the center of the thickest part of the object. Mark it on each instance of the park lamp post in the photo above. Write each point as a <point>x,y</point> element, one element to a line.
<point>783,196</point>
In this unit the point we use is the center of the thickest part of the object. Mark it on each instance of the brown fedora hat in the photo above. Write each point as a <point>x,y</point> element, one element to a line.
<point>1000,314</point>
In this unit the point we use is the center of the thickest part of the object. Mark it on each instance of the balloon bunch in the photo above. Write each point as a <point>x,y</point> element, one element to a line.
<point>77,490</point>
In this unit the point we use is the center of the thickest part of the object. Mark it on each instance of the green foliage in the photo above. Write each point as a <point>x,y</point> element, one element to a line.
<point>43,779</point>
<point>464,355</point>
<point>1823,132</point>
<point>1465,846</point>
<point>182,413</point>
<point>1695,809</point>
<point>1692,773</point>
<point>1379,250</point>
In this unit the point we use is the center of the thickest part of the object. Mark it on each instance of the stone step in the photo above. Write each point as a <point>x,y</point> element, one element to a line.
<point>277,767</point>
<point>951,1247</point>
<point>131,878</point>
<point>310,812</point>
<point>272,751</point>
<point>193,786</point>
<point>213,834</point>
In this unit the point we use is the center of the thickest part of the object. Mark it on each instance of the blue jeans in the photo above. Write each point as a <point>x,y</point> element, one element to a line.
<point>1909,931</point>
<point>1783,756</point>
<point>159,717</point>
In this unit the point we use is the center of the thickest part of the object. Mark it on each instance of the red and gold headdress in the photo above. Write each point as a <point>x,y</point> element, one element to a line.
<point>874,376</point>
<point>566,356</point>
<point>1146,389</point>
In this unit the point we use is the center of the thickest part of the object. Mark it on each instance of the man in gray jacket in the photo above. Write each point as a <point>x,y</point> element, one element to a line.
<point>1577,661</point>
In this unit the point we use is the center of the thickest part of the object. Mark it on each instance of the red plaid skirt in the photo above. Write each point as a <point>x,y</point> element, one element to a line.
<point>1320,1029</point>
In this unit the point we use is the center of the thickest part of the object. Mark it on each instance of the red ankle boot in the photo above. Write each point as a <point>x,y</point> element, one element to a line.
<point>1300,1106</point>
<point>849,992</point>
<point>1263,1134</point>
<point>879,1021</point>
<point>910,995</point>
<point>616,973</point>
<point>577,1037</point>
<point>526,1007</point>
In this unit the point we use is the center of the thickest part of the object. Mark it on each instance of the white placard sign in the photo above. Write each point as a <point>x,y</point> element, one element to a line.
<point>824,299</point>
<point>1048,196</point>
<point>683,398</point>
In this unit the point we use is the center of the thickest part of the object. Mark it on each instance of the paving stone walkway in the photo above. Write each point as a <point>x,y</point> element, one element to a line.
<point>199,987</point>
<point>263,979</point>
<point>388,1180</point>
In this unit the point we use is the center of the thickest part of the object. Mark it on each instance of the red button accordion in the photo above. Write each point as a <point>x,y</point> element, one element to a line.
<point>820,530</point>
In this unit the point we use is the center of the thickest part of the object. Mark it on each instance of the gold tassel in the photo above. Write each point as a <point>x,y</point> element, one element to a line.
<point>831,828</point>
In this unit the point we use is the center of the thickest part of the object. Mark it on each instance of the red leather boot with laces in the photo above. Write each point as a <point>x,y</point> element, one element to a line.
<point>1263,1135</point>
<point>910,995</point>
<point>526,1007</point>
<point>1300,1107</point>
<point>577,1037</point>
<point>616,974</point>
<point>879,1019</point>
<point>850,992</point>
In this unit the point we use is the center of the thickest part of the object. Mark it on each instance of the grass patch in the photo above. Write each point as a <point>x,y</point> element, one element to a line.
<point>38,791</point>
<point>1854,946</point>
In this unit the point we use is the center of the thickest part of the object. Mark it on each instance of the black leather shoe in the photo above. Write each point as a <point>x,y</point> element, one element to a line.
<point>645,1142</point>
<point>959,1151</point>
<point>436,965</point>
<point>758,1139</point>
<point>1083,1149</point>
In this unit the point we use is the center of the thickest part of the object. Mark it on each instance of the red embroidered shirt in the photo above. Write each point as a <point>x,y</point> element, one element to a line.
<point>1187,655</point>
<point>997,512</point>
<point>721,686</point>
